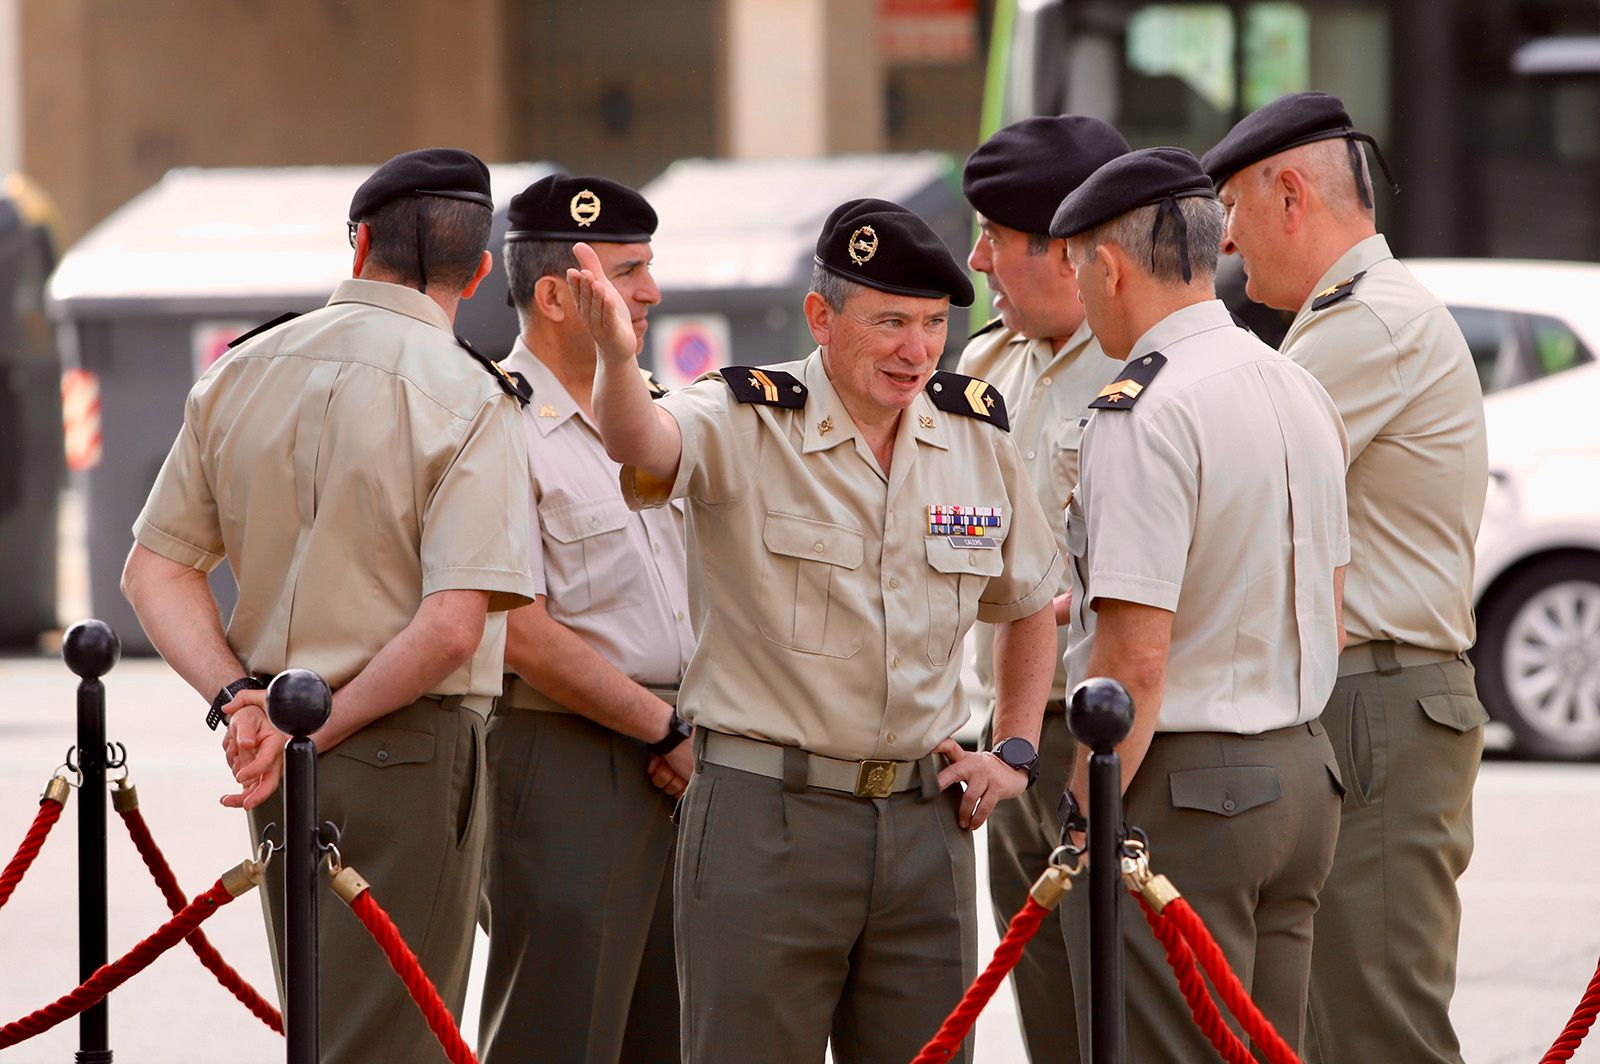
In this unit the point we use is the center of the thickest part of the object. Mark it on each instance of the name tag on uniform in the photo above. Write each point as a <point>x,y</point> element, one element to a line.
<point>975,541</point>
<point>967,526</point>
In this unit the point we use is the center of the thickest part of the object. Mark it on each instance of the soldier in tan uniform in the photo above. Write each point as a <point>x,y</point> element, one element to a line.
<point>1405,716</point>
<point>1207,540</point>
<point>365,476</point>
<point>849,516</point>
<point>1040,354</point>
<point>585,749</point>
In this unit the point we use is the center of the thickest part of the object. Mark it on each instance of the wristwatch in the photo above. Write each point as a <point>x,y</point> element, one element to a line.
<point>1019,753</point>
<point>677,731</point>
<point>228,694</point>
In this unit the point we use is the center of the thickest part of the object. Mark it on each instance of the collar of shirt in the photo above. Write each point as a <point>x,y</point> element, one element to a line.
<point>1180,325</point>
<point>825,407</point>
<point>1361,256</point>
<point>552,404</point>
<point>395,297</point>
<point>1075,343</point>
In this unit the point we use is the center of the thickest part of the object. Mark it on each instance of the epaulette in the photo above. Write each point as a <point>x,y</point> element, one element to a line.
<point>1123,392</point>
<point>263,327</point>
<point>654,386</point>
<point>513,384</point>
<point>1333,293</point>
<point>988,327</point>
<point>773,387</point>
<point>971,396</point>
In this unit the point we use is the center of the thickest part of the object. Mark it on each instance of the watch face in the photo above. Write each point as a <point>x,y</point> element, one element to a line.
<point>1016,752</point>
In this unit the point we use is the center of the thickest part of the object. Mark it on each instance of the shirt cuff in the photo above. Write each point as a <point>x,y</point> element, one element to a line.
<point>507,588</point>
<point>174,549</point>
<point>1034,601</point>
<point>1127,587</point>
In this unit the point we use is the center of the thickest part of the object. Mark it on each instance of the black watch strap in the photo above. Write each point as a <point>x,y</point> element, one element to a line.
<point>677,731</point>
<point>228,694</point>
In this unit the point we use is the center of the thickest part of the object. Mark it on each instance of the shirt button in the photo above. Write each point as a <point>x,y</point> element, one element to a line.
<point>1044,382</point>
<point>895,664</point>
<point>383,755</point>
<point>894,581</point>
<point>679,615</point>
<point>594,522</point>
<point>819,548</point>
<point>1031,455</point>
<point>1228,805</point>
<point>657,547</point>
<point>972,558</point>
<point>890,738</point>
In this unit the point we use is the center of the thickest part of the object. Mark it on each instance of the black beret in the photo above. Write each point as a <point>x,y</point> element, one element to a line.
<point>1128,182</point>
<point>1287,122</point>
<point>595,209</point>
<point>1019,176</point>
<point>448,172</point>
<point>888,247</point>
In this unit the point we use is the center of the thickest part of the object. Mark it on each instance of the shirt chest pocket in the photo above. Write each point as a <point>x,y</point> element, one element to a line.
<point>590,567</point>
<point>956,578</point>
<point>807,602</point>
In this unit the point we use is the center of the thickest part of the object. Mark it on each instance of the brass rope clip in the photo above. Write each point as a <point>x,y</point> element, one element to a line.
<point>1056,881</point>
<point>124,796</point>
<point>248,875</point>
<point>1157,890</point>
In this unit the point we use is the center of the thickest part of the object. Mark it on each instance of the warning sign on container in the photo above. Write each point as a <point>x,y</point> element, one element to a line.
<point>687,345</point>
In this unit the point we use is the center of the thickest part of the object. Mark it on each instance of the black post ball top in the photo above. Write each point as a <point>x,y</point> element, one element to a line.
<point>1101,714</point>
<point>90,649</point>
<point>298,702</point>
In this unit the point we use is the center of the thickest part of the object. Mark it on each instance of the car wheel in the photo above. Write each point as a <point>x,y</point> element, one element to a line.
<point>1538,657</point>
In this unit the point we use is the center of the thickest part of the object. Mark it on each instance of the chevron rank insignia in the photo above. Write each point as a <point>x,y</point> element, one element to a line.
<point>770,387</point>
<point>1333,293</point>
<point>988,327</point>
<point>970,396</point>
<point>1136,376</point>
<point>259,329</point>
<point>513,384</point>
<point>653,385</point>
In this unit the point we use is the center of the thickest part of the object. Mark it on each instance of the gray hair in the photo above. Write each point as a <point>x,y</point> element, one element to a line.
<point>529,260</point>
<point>1326,166</point>
<point>1135,233</point>
<point>455,231</point>
<point>833,288</point>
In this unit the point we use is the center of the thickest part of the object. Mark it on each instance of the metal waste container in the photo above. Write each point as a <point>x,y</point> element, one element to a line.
<point>152,296</point>
<point>735,246</point>
<point>31,458</point>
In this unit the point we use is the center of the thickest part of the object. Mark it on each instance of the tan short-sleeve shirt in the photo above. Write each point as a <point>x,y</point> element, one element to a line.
<point>1397,366</point>
<point>1047,395</point>
<point>613,576</point>
<point>829,615</point>
<point>347,464</point>
<point>1217,494</point>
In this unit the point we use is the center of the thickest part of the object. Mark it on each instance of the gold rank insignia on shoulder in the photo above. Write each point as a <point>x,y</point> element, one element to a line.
<point>513,384</point>
<point>967,526</point>
<point>1136,376</point>
<point>584,208</point>
<point>1333,293</point>
<point>769,387</point>
<point>969,396</point>
<point>863,245</point>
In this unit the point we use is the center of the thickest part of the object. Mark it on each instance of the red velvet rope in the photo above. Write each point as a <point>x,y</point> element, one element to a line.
<point>947,1043</point>
<point>161,872</point>
<point>1232,992</point>
<point>409,969</point>
<point>49,813</point>
<point>1202,1008</point>
<point>1577,1027</point>
<point>113,975</point>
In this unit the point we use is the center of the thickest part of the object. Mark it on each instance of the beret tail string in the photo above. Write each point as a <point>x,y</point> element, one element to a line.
<point>422,245</point>
<point>1180,229</point>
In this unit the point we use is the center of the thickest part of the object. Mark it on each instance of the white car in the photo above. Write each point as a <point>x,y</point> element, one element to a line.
<point>1534,329</point>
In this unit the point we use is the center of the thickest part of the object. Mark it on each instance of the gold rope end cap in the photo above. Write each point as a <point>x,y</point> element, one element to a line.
<point>1051,887</point>
<point>348,884</point>
<point>58,790</point>
<point>1159,893</point>
<point>125,798</point>
<point>242,878</point>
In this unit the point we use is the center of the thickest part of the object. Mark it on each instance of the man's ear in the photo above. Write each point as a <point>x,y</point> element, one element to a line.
<point>819,318</point>
<point>1291,195</point>
<point>485,264</point>
<point>551,297</point>
<point>1058,248</point>
<point>363,248</point>
<point>1113,263</point>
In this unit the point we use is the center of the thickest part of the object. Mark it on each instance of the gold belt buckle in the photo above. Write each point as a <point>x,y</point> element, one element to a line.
<point>875,779</point>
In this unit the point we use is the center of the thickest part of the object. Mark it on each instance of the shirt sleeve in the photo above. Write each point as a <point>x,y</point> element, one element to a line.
<point>179,520</point>
<point>1351,352</point>
<point>535,522</point>
<point>719,437</point>
<point>1031,558</point>
<point>475,527</point>
<point>1140,498</point>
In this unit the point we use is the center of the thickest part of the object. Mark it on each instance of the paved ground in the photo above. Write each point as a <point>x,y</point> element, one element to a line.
<point>1529,943</point>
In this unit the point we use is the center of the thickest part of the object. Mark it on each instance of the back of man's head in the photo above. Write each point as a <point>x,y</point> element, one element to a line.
<point>428,215</point>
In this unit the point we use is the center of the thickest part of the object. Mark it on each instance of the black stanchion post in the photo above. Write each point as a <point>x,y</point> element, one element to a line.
<point>90,649</point>
<point>1101,716</point>
<point>298,702</point>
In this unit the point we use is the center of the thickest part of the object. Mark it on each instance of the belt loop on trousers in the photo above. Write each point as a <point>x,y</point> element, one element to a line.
<point>1384,657</point>
<point>698,745</point>
<point>928,776</point>
<point>794,770</point>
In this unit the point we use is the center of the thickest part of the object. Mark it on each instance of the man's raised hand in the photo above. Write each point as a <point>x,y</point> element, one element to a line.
<point>601,307</point>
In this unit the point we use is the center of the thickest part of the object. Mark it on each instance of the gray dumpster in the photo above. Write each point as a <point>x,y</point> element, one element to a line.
<point>31,457</point>
<point>153,294</point>
<point>733,253</point>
